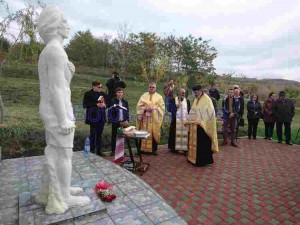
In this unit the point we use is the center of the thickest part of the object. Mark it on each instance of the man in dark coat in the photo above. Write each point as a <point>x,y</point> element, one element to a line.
<point>213,92</point>
<point>283,110</point>
<point>95,102</point>
<point>118,113</point>
<point>214,101</point>
<point>113,83</point>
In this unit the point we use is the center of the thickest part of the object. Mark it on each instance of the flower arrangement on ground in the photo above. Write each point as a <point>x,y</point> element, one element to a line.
<point>103,191</point>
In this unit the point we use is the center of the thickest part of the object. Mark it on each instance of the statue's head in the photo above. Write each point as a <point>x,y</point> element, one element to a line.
<point>52,23</point>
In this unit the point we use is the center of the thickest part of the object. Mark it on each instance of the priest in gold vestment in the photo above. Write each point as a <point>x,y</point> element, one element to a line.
<point>150,112</point>
<point>203,140</point>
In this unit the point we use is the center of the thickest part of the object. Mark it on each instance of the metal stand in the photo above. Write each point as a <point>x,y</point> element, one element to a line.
<point>130,163</point>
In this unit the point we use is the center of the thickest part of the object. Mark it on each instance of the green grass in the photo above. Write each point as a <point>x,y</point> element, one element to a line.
<point>261,126</point>
<point>23,133</point>
<point>295,125</point>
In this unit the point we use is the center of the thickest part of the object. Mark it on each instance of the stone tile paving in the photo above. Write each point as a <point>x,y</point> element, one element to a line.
<point>257,183</point>
<point>136,202</point>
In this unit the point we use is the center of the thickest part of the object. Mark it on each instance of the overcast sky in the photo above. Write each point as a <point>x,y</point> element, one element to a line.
<point>257,38</point>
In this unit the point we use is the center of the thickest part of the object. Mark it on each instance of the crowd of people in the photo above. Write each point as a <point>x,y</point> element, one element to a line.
<point>193,129</point>
<point>280,111</point>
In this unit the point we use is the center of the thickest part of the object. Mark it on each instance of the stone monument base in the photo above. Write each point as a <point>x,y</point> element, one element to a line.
<point>33,214</point>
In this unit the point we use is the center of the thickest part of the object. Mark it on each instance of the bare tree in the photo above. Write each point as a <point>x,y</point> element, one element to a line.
<point>123,43</point>
<point>26,31</point>
<point>228,80</point>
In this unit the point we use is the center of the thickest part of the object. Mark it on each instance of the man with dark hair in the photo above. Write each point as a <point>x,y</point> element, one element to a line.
<point>118,114</point>
<point>113,83</point>
<point>213,92</point>
<point>203,140</point>
<point>283,110</point>
<point>95,102</point>
<point>231,110</point>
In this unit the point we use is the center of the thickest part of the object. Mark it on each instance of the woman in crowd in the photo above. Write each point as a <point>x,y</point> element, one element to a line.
<point>254,113</point>
<point>268,117</point>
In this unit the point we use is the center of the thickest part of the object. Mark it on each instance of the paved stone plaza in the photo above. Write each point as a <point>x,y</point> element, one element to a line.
<point>136,202</point>
<point>257,183</point>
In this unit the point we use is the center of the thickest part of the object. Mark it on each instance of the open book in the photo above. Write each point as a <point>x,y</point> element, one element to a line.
<point>117,105</point>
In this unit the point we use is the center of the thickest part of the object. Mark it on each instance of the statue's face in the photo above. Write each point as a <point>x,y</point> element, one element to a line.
<point>64,28</point>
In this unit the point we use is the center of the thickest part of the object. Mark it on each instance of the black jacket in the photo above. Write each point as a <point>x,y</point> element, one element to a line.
<point>114,83</point>
<point>94,115</point>
<point>242,105</point>
<point>214,93</point>
<point>283,111</point>
<point>113,112</point>
<point>254,110</point>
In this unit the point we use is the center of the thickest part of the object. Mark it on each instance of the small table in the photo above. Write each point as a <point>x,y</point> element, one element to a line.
<point>130,163</point>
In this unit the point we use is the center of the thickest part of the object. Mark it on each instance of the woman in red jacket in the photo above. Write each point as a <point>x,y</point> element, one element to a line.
<point>268,117</point>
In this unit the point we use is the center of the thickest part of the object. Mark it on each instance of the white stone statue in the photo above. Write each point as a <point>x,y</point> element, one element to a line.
<point>55,74</point>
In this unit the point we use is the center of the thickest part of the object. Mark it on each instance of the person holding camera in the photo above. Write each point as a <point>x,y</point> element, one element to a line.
<point>113,83</point>
<point>95,101</point>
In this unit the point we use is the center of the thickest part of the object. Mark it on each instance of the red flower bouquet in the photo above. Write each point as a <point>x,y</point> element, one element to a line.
<point>103,191</point>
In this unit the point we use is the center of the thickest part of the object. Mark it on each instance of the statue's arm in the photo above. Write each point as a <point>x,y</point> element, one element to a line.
<point>58,86</point>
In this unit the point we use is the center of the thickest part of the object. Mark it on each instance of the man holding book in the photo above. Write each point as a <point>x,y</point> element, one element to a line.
<point>118,115</point>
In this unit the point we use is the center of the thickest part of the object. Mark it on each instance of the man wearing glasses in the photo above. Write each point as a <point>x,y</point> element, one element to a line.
<point>150,112</point>
<point>95,101</point>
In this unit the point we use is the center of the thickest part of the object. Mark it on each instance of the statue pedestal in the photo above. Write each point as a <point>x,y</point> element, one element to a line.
<point>33,214</point>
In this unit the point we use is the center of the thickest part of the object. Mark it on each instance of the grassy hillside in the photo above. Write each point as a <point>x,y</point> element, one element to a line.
<point>23,133</point>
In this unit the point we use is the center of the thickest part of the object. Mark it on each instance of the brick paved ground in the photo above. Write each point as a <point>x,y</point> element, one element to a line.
<point>257,183</point>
